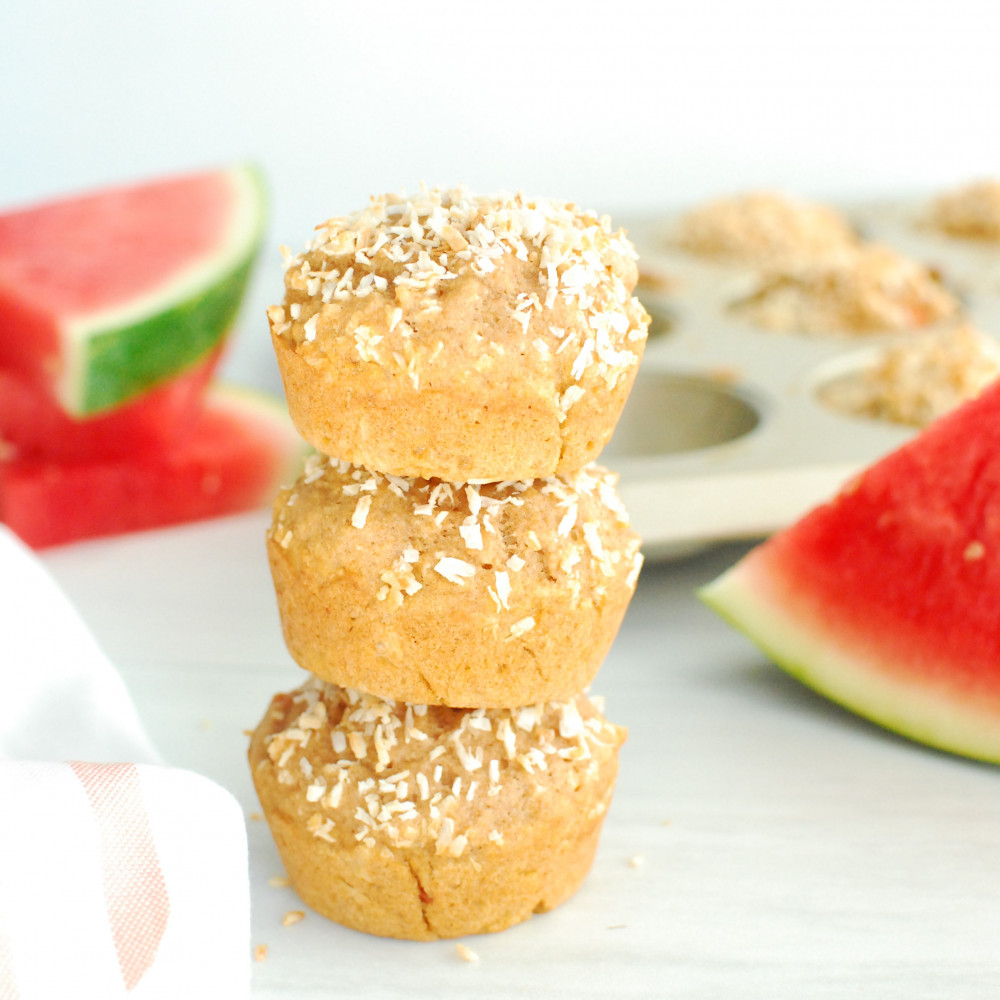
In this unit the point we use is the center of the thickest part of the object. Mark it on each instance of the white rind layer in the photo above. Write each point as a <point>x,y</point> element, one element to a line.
<point>820,658</point>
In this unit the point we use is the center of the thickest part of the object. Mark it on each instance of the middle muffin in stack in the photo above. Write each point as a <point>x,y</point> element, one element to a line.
<point>454,575</point>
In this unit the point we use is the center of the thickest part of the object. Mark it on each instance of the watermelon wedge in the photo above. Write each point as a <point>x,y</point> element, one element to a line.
<point>887,598</point>
<point>33,425</point>
<point>241,448</point>
<point>107,295</point>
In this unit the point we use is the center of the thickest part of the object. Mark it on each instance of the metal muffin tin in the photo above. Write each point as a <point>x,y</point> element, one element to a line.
<point>724,436</point>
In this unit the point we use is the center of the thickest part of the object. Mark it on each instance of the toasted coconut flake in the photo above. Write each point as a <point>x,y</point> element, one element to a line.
<point>455,570</point>
<point>522,626</point>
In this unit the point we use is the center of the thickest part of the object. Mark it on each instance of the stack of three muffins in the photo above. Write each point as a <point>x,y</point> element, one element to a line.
<point>454,577</point>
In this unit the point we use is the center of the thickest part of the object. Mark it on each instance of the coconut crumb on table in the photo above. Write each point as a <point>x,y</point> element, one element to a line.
<point>466,953</point>
<point>260,953</point>
<point>292,917</point>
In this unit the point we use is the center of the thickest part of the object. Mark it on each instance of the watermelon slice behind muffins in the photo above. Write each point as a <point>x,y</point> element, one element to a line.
<point>34,426</point>
<point>107,295</point>
<point>887,598</point>
<point>240,449</point>
<point>114,310</point>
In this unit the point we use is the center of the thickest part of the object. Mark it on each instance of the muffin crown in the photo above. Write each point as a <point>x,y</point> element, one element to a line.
<point>418,773</point>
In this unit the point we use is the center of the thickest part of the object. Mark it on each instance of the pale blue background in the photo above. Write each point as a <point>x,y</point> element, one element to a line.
<point>617,106</point>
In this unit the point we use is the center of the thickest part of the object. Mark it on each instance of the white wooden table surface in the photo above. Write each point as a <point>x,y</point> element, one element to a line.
<point>762,842</point>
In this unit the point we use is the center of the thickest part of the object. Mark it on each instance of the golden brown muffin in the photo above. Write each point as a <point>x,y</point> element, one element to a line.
<point>488,595</point>
<point>763,229</point>
<point>866,290</point>
<point>919,377</point>
<point>421,822</point>
<point>462,337</point>
<point>972,212</point>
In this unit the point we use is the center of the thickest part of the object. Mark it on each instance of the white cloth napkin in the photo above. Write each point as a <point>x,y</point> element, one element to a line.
<point>119,876</point>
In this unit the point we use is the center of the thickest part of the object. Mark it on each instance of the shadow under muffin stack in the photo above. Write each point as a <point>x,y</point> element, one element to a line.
<point>451,568</point>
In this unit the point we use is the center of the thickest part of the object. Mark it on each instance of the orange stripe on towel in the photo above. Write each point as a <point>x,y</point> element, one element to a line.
<point>135,892</point>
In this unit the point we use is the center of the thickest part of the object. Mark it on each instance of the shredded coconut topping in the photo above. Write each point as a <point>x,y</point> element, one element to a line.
<point>360,515</point>
<point>865,289</point>
<point>372,781</point>
<point>764,228</point>
<point>455,570</point>
<point>473,532</point>
<point>410,248</point>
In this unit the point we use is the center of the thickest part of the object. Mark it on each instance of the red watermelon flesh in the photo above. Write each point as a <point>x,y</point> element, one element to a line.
<point>887,598</point>
<point>240,449</point>
<point>34,425</point>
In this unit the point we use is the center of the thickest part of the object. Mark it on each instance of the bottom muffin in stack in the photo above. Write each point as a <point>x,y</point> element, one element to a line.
<point>424,822</point>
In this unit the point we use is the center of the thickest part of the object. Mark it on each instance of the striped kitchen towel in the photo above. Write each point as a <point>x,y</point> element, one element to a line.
<point>119,876</point>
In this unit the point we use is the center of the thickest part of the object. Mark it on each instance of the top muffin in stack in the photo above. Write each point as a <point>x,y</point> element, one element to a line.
<point>458,362</point>
<point>459,337</point>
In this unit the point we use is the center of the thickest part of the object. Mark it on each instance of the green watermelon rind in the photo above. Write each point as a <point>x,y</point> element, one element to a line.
<point>852,678</point>
<point>124,363</point>
<point>116,355</point>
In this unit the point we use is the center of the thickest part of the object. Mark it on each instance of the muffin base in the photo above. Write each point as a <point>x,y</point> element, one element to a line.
<point>484,432</point>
